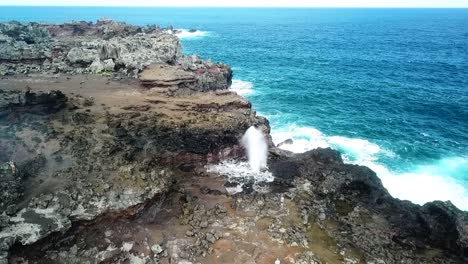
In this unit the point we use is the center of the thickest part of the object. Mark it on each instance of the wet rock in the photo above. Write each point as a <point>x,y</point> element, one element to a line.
<point>34,102</point>
<point>292,236</point>
<point>24,43</point>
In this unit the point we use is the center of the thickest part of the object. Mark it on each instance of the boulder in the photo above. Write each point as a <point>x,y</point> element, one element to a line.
<point>27,43</point>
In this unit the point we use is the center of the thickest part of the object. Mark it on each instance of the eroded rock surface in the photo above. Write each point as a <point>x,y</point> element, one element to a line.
<point>105,47</point>
<point>68,157</point>
<point>204,78</point>
<point>351,204</point>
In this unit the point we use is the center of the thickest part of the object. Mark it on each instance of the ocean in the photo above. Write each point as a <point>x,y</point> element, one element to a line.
<point>388,88</point>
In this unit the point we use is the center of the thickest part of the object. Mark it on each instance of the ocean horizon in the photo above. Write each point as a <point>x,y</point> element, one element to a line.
<point>387,87</point>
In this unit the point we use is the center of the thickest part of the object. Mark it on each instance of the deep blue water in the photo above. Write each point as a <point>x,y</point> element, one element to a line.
<point>387,87</point>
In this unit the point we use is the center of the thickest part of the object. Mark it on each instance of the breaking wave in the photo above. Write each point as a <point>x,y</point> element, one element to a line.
<point>188,34</point>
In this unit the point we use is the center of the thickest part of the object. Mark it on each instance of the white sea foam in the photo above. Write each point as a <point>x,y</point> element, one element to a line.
<point>186,34</point>
<point>242,88</point>
<point>424,184</point>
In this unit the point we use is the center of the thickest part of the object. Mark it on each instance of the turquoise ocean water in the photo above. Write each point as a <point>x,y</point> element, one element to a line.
<point>386,87</point>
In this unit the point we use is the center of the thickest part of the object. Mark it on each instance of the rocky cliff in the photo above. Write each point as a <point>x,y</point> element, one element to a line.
<point>116,167</point>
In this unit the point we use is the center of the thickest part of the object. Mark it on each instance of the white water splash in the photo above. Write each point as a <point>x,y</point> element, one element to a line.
<point>252,173</point>
<point>424,184</point>
<point>255,144</point>
<point>188,34</point>
<point>242,88</point>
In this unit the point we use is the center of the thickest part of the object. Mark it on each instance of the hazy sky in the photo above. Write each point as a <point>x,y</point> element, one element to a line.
<point>266,3</point>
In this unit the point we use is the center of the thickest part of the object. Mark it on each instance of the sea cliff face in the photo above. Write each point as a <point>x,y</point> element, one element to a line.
<point>107,135</point>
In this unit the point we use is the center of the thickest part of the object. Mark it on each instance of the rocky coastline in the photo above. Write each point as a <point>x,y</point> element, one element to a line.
<point>107,133</point>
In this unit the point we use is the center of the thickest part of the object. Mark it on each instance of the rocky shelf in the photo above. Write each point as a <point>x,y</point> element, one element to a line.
<point>107,134</point>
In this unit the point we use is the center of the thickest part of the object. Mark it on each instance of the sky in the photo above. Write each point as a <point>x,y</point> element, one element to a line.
<point>245,3</point>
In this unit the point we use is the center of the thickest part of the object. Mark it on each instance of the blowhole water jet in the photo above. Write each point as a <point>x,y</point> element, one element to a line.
<point>256,147</point>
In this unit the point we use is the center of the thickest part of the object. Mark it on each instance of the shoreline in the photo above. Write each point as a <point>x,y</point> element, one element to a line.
<point>439,186</point>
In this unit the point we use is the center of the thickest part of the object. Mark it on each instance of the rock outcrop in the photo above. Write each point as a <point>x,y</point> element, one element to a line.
<point>67,157</point>
<point>10,186</point>
<point>350,202</point>
<point>205,76</point>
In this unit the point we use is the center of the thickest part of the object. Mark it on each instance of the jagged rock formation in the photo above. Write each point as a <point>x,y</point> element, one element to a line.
<point>10,186</point>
